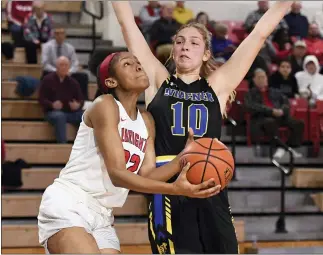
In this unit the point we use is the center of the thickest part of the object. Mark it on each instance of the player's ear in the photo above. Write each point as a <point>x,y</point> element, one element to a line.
<point>111,83</point>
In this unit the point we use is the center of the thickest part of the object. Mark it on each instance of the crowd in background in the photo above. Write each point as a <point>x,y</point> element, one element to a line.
<point>289,65</point>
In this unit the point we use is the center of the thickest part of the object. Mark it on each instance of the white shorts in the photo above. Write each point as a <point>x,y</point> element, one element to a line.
<point>64,207</point>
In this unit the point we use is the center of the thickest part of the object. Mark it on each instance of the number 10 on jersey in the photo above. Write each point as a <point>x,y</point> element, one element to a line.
<point>197,119</point>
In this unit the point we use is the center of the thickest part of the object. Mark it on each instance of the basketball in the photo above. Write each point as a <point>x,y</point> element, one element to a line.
<point>209,158</point>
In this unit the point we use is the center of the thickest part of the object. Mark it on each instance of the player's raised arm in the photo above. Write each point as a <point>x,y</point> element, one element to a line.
<point>104,118</point>
<point>228,77</point>
<point>138,46</point>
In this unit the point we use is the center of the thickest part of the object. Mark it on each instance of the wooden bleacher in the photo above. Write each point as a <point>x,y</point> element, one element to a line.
<point>128,233</point>
<point>27,205</point>
<point>318,200</point>
<point>11,70</point>
<point>307,178</point>
<point>8,91</point>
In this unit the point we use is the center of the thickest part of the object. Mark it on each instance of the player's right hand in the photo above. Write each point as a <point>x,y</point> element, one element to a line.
<point>183,187</point>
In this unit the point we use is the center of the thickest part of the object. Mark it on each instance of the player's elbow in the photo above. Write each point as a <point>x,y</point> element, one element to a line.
<point>116,179</point>
<point>259,34</point>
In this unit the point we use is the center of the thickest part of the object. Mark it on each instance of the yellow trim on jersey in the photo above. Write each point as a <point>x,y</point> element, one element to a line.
<point>171,246</point>
<point>165,159</point>
<point>151,225</point>
<point>168,214</point>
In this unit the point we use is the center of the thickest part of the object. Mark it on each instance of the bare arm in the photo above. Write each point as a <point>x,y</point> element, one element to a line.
<point>228,77</point>
<point>105,125</point>
<point>138,46</point>
<point>148,168</point>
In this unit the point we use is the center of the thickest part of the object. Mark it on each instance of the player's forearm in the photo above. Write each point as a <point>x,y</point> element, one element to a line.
<point>271,18</point>
<point>128,180</point>
<point>165,172</point>
<point>123,11</point>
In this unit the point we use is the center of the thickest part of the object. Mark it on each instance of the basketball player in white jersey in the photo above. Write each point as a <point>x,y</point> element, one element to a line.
<point>112,153</point>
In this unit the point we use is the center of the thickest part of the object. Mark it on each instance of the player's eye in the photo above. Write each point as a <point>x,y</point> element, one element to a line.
<point>126,64</point>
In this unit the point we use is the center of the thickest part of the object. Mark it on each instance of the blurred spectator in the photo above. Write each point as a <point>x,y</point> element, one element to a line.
<point>256,15</point>
<point>284,80</point>
<point>57,47</point>
<point>221,46</point>
<point>7,50</point>
<point>258,63</point>
<point>298,55</point>
<point>310,81</point>
<point>148,15</point>
<point>268,52</point>
<point>282,44</point>
<point>182,14</point>
<point>37,30</point>
<point>315,43</point>
<point>318,19</point>
<point>297,23</point>
<point>162,33</point>
<point>202,18</point>
<point>17,11</point>
<point>61,98</point>
<point>269,110</point>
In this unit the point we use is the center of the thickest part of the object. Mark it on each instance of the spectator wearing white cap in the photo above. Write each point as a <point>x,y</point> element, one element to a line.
<point>298,55</point>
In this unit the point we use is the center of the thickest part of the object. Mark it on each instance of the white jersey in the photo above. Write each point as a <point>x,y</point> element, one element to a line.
<point>86,168</point>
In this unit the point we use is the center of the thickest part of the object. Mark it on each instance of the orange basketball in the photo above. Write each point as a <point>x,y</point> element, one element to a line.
<point>209,158</point>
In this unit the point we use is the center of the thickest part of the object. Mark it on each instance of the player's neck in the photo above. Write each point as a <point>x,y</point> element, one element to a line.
<point>129,103</point>
<point>188,78</point>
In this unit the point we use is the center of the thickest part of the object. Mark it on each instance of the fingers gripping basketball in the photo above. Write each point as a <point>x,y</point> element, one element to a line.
<point>209,158</point>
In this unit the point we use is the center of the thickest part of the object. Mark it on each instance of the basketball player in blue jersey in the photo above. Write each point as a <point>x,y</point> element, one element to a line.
<point>194,97</point>
<point>112,153</point>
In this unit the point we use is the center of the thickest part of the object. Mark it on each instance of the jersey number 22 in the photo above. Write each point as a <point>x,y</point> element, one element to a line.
<point>197,119</point>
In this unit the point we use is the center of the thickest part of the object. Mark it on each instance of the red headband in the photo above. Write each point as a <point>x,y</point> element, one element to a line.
<point>104,67</point>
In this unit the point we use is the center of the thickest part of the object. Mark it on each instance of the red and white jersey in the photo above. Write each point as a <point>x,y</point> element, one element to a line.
<point>17,11</point>
<point>86,168</point>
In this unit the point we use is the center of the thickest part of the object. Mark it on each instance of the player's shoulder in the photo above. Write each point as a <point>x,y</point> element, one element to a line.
<point>149,121</point>
<point>103,104</point>
<point>147,117</point>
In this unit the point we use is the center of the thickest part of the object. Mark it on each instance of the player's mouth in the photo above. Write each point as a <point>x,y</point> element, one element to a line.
<point>184,57</point>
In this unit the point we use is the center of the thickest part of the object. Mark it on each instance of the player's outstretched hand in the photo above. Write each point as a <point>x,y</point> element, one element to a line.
<point>184,188</point>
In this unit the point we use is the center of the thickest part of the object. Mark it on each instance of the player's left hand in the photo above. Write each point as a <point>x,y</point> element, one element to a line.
<point>183,187</point>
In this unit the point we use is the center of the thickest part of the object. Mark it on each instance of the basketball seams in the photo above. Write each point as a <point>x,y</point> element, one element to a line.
<point>223,149</point>
<point>200,153</point>
<point>207,157</point>
<point>217,172</point>
<point>222,161</point>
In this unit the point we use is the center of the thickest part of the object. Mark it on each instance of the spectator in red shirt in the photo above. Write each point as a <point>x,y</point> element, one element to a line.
<point>315,43</point>
<point>269,110</point>
<point>61,98</point>
<point>16,12</point>
<point>282,44</point>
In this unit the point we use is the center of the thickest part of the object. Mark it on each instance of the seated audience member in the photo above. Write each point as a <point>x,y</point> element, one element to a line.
<point>17,11</point>
<point>269,110</point>
<point>221,46</point>
<point>7,51</point>
<point>284,81</point>
<point>148,15</point>
<point>162,32</point>
<point>310,81</point>
<point>298,55</point>
<point>268,52</point>
<point>57,47</point>
<point>61,98</point>
<point>297,23</point>
<point>37,30</point>
<point>258,63</point>
<point>256,15</point>
<point>202,18</point>
<point>181,13</point>
<point>315,43</point>
<point>282,44</point>
<point>318,20</point>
